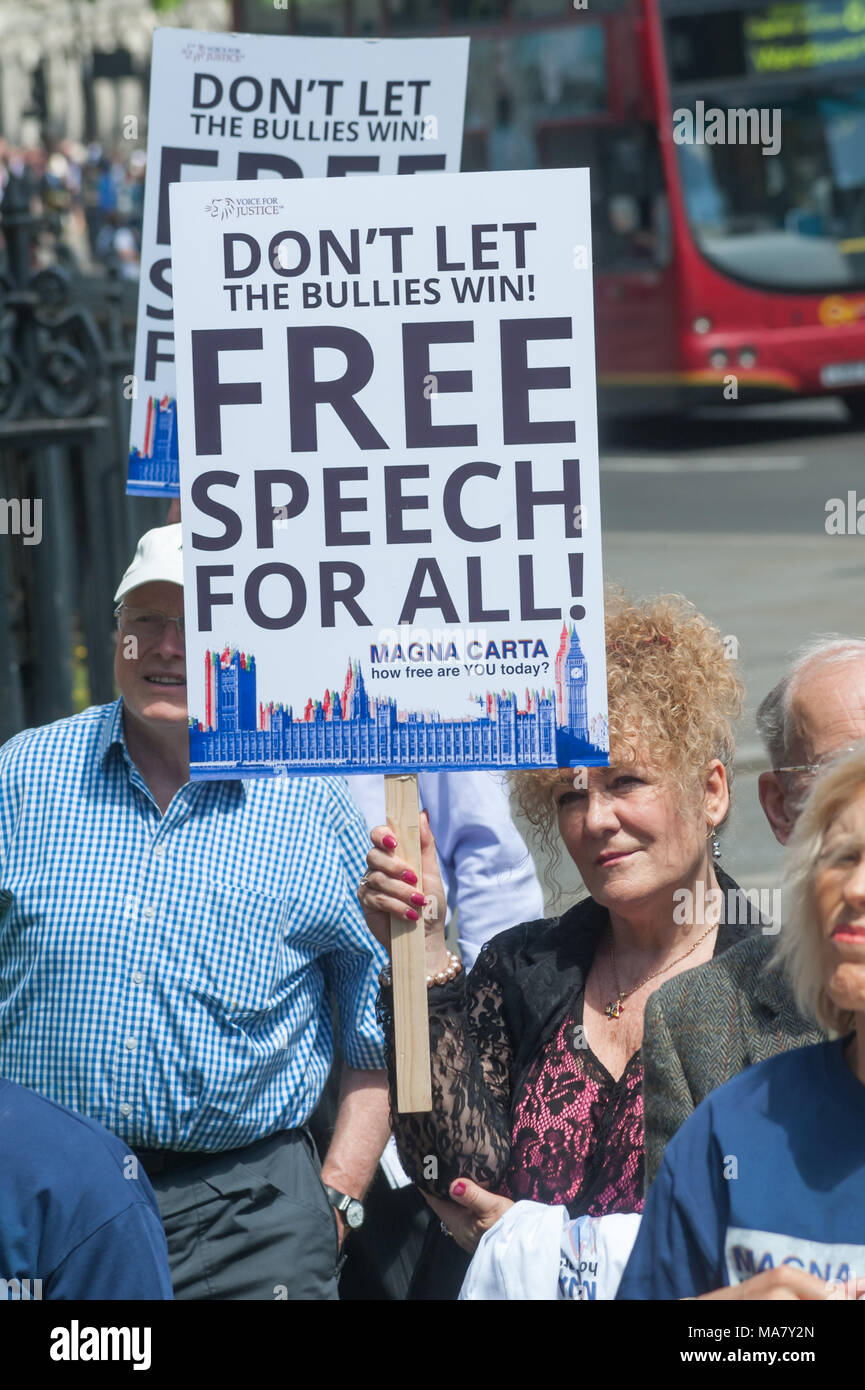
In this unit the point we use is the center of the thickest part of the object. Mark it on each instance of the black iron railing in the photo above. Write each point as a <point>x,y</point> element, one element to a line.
<point>67,528</point>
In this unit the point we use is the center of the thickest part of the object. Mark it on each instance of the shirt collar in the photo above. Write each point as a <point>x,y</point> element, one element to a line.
<point>113,735</point>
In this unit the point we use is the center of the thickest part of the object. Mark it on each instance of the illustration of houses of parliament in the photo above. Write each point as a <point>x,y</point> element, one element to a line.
<point>351,728</point>
<point>156,460</point>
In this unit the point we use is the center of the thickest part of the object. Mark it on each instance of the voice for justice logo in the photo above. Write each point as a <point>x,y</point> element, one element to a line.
<point>211,53</point>
<point>243,207</point>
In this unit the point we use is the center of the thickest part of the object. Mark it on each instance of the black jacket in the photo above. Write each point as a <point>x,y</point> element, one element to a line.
<point>540,969</point>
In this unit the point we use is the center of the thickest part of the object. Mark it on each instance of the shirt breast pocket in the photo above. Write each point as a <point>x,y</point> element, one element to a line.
<point>235,961</point>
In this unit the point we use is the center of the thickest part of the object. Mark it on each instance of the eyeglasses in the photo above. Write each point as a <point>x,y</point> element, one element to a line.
<point>147,624</point>
<point>813,769</point>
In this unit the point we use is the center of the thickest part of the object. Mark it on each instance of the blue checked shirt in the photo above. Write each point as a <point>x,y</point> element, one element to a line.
<point>171,976</point>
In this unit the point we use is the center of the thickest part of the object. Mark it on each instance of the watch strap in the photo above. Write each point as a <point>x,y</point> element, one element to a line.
<point>340,1200</point>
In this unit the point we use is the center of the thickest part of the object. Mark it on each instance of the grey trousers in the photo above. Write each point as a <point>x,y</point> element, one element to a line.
<point>251,1224</point>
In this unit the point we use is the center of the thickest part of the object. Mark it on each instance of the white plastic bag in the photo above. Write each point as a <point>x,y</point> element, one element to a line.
<point>536,1252</point>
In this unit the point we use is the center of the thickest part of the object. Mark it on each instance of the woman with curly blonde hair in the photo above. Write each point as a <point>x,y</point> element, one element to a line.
<point>536,1066</point>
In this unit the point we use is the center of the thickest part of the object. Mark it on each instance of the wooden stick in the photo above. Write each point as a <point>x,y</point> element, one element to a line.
<point>408,956</point>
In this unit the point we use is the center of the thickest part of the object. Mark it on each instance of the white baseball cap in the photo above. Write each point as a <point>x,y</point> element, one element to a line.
<point>158,559</point>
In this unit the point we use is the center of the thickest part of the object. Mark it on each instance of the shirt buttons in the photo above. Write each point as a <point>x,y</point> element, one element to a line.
<point>130,1044</point>
<point>150,912</point>
<point>126,1108</point>
<point>159,851</point>
<point>138,978</point>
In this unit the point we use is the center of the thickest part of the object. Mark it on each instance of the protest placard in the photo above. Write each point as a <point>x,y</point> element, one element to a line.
<point>389,475</point>
<point>253,106</point>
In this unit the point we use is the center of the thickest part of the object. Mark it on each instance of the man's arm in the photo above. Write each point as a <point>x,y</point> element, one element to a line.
<point>360,1134</point>
<point>667,1099</point>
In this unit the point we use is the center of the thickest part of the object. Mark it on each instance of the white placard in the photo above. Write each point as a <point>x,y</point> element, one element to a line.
<point>252,106</point>
<point>389,474</point>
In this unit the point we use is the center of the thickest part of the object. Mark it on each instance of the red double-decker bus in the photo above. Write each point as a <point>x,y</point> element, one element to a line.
<point>726,143</point>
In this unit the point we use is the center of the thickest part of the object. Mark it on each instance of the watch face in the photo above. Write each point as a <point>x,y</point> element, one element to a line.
<point>354,1215</point>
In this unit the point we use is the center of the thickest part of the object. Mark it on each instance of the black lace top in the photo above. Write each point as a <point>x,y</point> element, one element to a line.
<point>467,1132</point>
<point>516,1107</point>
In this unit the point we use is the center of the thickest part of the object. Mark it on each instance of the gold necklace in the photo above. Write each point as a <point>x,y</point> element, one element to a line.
<point>615,1007</point>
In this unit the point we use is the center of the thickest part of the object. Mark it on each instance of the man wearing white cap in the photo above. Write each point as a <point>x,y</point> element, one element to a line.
<point>169,952</point>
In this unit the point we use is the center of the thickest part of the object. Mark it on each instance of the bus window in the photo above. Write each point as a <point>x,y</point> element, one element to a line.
<point>511,144</point>
<point>630,218</point>
<point>704,45</point>
<point>519,82</point>
<point>793,220</point>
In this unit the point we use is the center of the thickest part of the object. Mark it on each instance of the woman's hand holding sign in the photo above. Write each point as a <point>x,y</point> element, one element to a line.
<point>389,888</point>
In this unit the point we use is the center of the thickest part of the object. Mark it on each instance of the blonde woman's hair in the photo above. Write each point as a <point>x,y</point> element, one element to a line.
<point>673,699</point>
<point>799,948</point>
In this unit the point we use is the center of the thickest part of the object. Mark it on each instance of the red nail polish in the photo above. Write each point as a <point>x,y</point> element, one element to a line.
<point>458,1189</point>
<point>409,876</point>
<point>418,899</point>
<point>389,842</point>
<point>411,914</point>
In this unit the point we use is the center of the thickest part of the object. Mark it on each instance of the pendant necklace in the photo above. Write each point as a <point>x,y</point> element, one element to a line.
<point>616,1007</point>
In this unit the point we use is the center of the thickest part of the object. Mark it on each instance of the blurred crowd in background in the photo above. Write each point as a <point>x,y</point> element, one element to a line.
<point>92,195</point>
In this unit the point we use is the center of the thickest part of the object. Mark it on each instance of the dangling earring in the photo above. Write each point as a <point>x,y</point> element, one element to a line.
<point>716,844</point>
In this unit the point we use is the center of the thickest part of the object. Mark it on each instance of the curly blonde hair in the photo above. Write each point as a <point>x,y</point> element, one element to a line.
<point>673,699</point>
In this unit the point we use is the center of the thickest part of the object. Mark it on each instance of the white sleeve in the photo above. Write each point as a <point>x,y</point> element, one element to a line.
<point>488,873</point>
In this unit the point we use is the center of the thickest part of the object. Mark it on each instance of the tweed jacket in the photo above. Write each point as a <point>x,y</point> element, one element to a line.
<point>705,1026</point>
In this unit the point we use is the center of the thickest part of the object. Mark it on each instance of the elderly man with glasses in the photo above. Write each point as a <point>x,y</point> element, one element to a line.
<point>708,1024</point>
<point>169,954</point>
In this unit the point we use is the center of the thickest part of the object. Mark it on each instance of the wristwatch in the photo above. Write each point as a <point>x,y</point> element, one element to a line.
<point>352,1210</point>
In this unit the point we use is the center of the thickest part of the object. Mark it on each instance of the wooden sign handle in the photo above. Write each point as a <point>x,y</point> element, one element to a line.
<point>408,956</point>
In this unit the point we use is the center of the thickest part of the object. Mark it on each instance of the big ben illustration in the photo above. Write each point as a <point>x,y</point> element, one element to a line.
<point>572,736</point>
<point>577,719</point>
<point>571,683</point>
